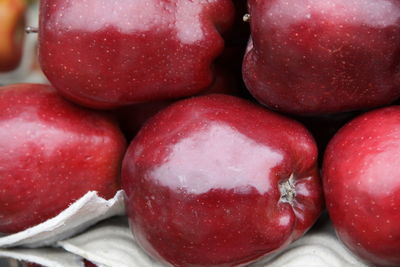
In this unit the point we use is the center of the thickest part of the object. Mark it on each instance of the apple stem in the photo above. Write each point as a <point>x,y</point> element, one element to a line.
<point>246,18</point>
<point>31,29</point>
<point>287,190</point>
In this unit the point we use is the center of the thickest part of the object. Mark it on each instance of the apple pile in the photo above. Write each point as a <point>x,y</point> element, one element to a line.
<point>213,174</point>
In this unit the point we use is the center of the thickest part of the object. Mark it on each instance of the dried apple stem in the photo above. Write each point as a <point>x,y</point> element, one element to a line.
<point>287,190</point>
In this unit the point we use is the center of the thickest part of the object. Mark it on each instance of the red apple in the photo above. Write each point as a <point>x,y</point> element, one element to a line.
<point>51,153</point>
<point>104,54</point>
<point>12,21</point>
<point>361,178</point>
<point>218,181</point>
<point>323,56</point>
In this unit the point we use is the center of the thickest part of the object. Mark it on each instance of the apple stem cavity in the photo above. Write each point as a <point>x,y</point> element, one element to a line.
<point>30,29</point>
<point>287,190</point>
<point>246,18</point>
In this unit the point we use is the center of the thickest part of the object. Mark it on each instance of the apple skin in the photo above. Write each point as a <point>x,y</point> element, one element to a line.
<point>105,54</point>
<point>52,153</point>
<point>12,21</point>
<point>203,176</point>
<point>362,185</point>
<point>322,57</point>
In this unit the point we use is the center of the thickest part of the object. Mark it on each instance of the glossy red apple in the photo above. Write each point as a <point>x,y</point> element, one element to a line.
<point>361,178</point>
<point>51,153</point>
<point>323,56</point>
<point>103,53</point>
<point>218,181</point>
<point>12,21</point>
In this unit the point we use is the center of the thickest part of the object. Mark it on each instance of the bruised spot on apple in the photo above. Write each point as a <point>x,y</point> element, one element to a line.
<point>105,54</point>
<point>52,153</point>
<point>218,181</point>
<point>316,57</point>
<point>361,178</point>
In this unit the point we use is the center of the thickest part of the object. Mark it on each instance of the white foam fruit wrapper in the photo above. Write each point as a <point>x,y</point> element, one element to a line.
<point>86,211</point>
<point>318,248</point>
<point>111,244</point>
<point>49,257</point>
